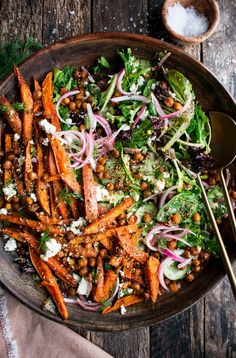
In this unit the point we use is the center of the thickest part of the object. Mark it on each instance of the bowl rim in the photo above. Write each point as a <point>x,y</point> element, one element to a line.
<point>194,39</point>
<point>155,42</point>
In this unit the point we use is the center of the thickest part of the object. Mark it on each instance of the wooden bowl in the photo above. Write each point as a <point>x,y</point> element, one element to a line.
<point>211,94</point>
<point>209,8</point>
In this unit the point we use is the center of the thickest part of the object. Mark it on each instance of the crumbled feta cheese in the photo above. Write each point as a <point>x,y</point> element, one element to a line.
<point>166,175</point>
<point>134,195</point>
<point>75,225</point>
<point>153,86</point>
<point>53,247</point>
<point>45,141</point>
<point>123,310</point>
<point>10,245</point>
<point>84,287</point>
<point>3,211</point>
<point>159,185</point>
<point>141,81</point>
<point>102,194</point>
<point>34,197</point>
<point>16,137</point>
<point>133,87</point>
<point>128,291</point>
<point>76,277</point>
<point>21,160</point>
<point>32,142</point>
<point>9,190</point>
<point>48,127</point>
<point>87,93</point>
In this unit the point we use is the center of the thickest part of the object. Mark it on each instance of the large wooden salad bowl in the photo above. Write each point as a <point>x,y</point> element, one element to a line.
<point>84,50</point>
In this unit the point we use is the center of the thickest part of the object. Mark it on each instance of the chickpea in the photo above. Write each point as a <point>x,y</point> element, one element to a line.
<point>37,95</point>
<point>32,175</point>
<point>233,195</point>
<point>84,74</point>
<point>190,277</point>
<point>115,153</point>
<point>71,261</point>
<point>61,253</point>
<point>144,185</point>
<point>147,193</point>
<point>102,160</point>
<point>110,186</point>
<point>72,106</point>
<point>138,156</point>
<point>196,217</point>
<point>117,93</point>
<point>16,206</point>
<point>82,127</point>
<point>163,85</point>
<point>7,164</point>
<point>84,106</point>
<point>187,254</point>
<point>83,262</point>
<point>172,244</point>
<point>17,151</point>
<point>90,99</point>
<point>29,200</point>
<point>82,91</point>
<point>15,199</point>
<point>103,253</point>
<point>135,286</point>
<point>196,262</point>
<point>78,104</point>
<point>63,90</point>
<point>92,262</point>
<point>147,218</point>
<point>79,97</point>
<point>65,101</point>
<point>173,286</point>
<point>193,251</point>
<point>34,207</point>
<point>169,102</point>
<point>177,106</point>
<point>119,185</point>
<point>167,281</point>
<point>106,175</point>
<point>8,206</point>
<point>176,218</point>
<point>196,268</point>
<point>99,168</point>
<point>83,271</point>
<point>10,156</point>
<point>204,255</point>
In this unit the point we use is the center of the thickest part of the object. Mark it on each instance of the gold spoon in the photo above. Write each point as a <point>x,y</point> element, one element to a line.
<point>223,150</point>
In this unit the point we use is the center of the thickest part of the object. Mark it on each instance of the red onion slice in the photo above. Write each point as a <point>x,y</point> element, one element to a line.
<point>157,105</point>
<point>119,83</point>
<point>184,263</point>
<point>181,111</point>
<point>161,272</point>
<point>67,94</point>
<point>139,116</point>
<point>165,194</point>
<point>104,123</point>
<point>172,255</point>
<point>133,97</point>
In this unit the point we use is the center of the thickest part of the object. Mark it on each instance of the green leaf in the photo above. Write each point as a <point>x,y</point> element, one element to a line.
<point>180,85</point>
<point>199,128</point>
<point>103,61</point>
<point>66,195</point>
<point>43,240</point>
<point>63,78</point>
<point>141,135</point>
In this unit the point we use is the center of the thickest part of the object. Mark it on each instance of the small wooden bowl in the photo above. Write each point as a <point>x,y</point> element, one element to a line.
<point>209,8</point>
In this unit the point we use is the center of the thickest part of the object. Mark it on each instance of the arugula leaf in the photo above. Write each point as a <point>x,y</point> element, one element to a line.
<point>140,135</point>
<point>63,78</point>
<point>43,240</point>
<point>199,129</point>
<point>180,85</point>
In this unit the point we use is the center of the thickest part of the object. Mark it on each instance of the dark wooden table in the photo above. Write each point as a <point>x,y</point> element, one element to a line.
<point>209,328</point>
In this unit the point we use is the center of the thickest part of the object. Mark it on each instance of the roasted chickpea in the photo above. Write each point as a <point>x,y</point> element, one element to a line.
<point>84,106</point>
<point>147,193</point>
<point>82,91</point>
<point>176,218</point>
<point>82,127</point>
<point>32,175</point>
<point>196,217</point>
<point>29,200</point>
<point>16,206</point>
<point>135,286</point>
<point>72,106</point>
<point>7,164</point>
<point>169,102</point>
<point>90,99</point>
<point>196,268</point>
<point>78,104</point>
<point>196,262</point>
<point>71,292</point>
<point>177,106</point>
<point>204,255</point>
<point>147,218</point>
<point>187,254</point>
<point>100,168</point>
<point>138,156</point>
<point>173,286</point>
<point>193,251</point>
<point>83,271</point>
<point>92,262</point>
<point>8,206</point>
<point>110,186</point>
<point>83,262</point>
<point>106,175</point>
<point>63,90</point>
<point>79,97</point>
<point>172,244</point>
<point>102,160</point>
<point>119,185</point>
<point>71,261</point>
<point>115,153</point>
<point>190,277</point>
<point>233,195</point>
<point>103,253</point>
<point>132,220</point>
<point>117,93</point>
<point>65,101</point>
<point>10,156</point>
<point>144,185</point>
<point>15,199</point>
<point>163,85</point>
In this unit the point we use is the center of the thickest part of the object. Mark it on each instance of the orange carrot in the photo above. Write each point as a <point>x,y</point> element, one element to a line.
<point>91,205</point>
<point>151,274</point>
<point>10,115</point>
<point>124,301</point>
<point>98,289</point>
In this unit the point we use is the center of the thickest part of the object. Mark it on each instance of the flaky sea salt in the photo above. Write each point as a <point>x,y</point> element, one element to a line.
<point>186,21</point>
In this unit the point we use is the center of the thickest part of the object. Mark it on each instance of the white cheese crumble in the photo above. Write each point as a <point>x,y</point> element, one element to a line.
<point>53,247</point>
<point>166,175</point>
<point>102,194</point>
<point>75,225</point>
<point>34,197</point>
<point>3,211</point>
<point>76,277</point>
<point>10,245</point>
<point>45,142</point>
<point>48,127</point>
<point>21,160</point>
<point>123,310</point>
<point>16,137</point>
<point>9,190</point>
<point>84,287</point>
<point>128,291</point>
<point>32,142</point>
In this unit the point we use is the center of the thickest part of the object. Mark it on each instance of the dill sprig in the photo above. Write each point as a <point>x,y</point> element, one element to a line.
<point>43,240</point>
<point>14,52</point>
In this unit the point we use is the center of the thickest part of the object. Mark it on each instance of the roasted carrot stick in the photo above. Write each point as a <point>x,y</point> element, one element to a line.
<point>111,215</point>
<point>124,301</point>
<point>35,225</point>
<point>17,179</point>
<point>11,115</point>
<point>37,88</point>
<point>91,205</point>
<point>124,237</point>
<point>98,289</point>
<point>47,100</point>
<point>51,220</point>
<point>151,274</point>
<point>7,173</point>
<point>28,167</point>
<point>27,100</point>
<point>49,282</point>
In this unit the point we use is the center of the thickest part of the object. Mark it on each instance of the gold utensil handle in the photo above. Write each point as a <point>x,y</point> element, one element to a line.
<point>228,202</point>
<point>223,252</point>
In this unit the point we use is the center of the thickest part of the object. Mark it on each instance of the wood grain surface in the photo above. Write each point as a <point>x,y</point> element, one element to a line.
<point>207,329</point>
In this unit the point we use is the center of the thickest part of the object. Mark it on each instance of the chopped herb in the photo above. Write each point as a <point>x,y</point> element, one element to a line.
<point>66,195</point>
<point>43,240</point>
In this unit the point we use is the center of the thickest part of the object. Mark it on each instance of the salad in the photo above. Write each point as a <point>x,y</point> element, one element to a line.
<point>99,196</point>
